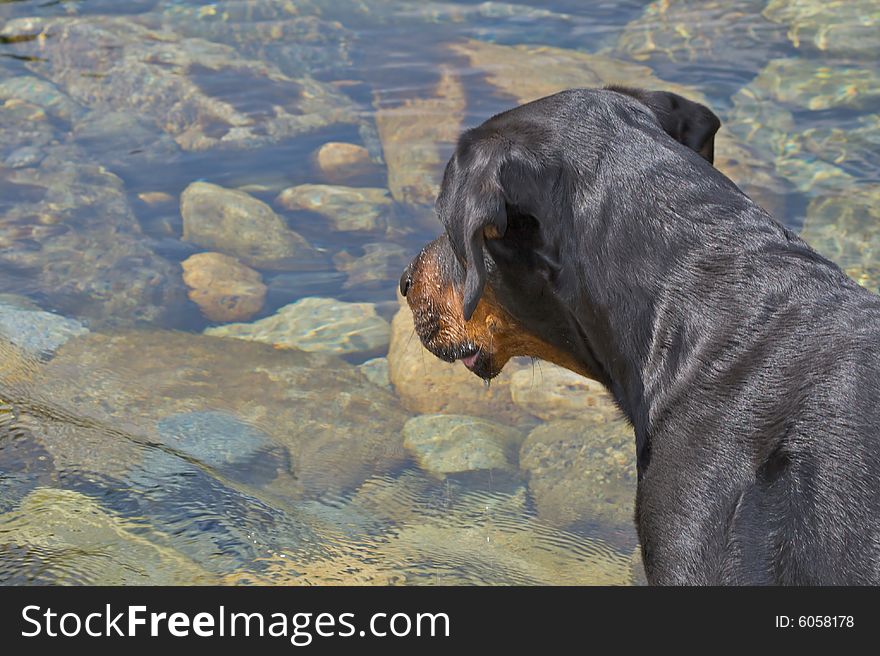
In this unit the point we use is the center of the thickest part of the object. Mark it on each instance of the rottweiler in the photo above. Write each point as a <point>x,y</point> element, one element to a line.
<point>590,229</point>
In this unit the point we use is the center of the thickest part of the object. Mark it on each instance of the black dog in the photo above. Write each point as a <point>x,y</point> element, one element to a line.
<point>587,229</point>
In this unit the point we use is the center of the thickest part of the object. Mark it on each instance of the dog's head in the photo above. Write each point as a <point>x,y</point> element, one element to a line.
<point>495,285</point>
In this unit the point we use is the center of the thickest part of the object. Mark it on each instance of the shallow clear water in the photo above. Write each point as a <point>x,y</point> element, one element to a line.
<point>166,418</point>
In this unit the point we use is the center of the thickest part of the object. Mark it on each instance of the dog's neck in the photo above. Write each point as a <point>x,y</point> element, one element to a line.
<point>672,305</point>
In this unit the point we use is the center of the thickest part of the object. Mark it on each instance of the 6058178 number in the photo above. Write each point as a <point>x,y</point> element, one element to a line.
<point>815,621</point>
<point>825,621</point>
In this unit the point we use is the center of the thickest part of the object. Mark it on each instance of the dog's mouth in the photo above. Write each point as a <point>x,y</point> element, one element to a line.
<point>470,360</point>
<point>478,360</point>
<point>482,364</point>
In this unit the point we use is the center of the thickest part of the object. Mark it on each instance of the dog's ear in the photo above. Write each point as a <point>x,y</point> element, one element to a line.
<point>686,121</point>
<point>472,207</point>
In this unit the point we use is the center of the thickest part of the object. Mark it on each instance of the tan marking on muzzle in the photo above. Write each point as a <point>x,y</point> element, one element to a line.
<point>439,320</point>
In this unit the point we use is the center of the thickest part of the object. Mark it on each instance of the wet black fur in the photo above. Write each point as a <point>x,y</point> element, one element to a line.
<point>748,364</point>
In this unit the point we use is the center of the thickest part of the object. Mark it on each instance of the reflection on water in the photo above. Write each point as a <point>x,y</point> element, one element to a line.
<point>205,374</point>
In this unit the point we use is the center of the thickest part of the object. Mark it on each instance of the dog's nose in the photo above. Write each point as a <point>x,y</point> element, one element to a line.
<point>406,279</point>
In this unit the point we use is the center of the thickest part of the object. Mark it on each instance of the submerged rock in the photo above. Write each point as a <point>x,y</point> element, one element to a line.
<point>275,31</point>
<point>582,472</point>
<point>376,371</point>
<point>63,537</point>
<point>220,440</point>
<point>43,94</point>
<point>449,444</point>
<point>212,514</point>
<point>35,331</point>
<point>346,208</point>
<point>413,135</point>
<point>551,392</point>
<point>753,173</point>
<point>448,533</point>
<point>840,27</point>
<point>530,72</point>
<point>318,325</point>
<point>845,227</point>
<point>23,126</point>
<point>378,268</point>
<point>809,160</point>
<point>125,141</point>
<point>24,156</point>
<point>189,87</point>
<point>70,236</point>
<point>222,287</point>
<point>236,223</point>
<point>338,428</point>
<point>759,121</point>
<point>688,31</point>
<point>340,162</point>
<point>855,148</point>
<point>817,85</point>
<point>156,198</point>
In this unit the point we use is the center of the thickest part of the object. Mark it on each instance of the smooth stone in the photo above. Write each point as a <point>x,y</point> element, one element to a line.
<point>347,208</point>
<point>753,173</point>
<point>813,176</point>
<point>64,537</point>
<point>426,384</point>
<point>582,472</point>
<point>551,392</point>
<point>38,333</point>
<point>450,444</point>
<point>156,198</point>
<point>222,287</point>
<point>761,122</point>
<point>376,371</point>
<point>236,223</point>
<point>317,325</point>
<point>340,162</point>
<point>762,151</point>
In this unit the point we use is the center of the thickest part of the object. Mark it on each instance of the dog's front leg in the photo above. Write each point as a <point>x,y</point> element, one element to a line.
<point>686,518</point>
